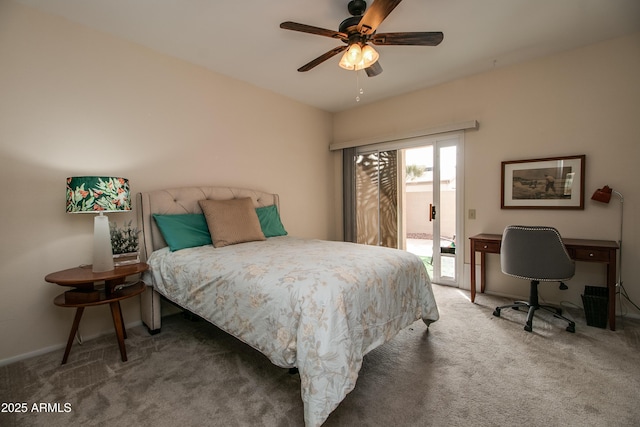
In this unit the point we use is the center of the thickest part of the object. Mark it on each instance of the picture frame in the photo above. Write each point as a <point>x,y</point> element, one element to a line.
<point>548,183</point>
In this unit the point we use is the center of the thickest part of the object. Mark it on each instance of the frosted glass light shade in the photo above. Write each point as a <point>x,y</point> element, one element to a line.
<point>358,58</point>
<point>369,56</point>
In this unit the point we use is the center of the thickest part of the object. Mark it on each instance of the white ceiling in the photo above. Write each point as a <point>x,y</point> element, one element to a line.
<point>242,39</point>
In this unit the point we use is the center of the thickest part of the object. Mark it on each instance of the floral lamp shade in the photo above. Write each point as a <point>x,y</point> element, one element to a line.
<point>99,194</point>
<point>95,194</point>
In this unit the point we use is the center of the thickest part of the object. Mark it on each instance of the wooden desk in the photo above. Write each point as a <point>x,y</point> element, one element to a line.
<point>602,251</point>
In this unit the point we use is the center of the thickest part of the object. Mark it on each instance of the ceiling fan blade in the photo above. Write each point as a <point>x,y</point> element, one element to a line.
<point>320,59</point>
<point>433,38</point>
<point>376,13</point>
<point>294,26</point>
<point>374,69</point>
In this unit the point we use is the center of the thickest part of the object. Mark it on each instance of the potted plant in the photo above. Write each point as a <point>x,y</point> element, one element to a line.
<point>124,244</point>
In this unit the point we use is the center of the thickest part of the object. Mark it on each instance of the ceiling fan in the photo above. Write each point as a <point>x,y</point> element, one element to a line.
<point>360,29</point>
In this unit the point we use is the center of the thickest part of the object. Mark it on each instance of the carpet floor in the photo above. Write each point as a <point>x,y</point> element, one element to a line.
<point>468,369</point>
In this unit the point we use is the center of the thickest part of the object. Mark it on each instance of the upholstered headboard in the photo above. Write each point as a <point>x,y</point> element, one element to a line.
<point>182,201</point>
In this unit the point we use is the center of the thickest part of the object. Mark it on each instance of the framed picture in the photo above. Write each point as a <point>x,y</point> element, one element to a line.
<point>552,183</point>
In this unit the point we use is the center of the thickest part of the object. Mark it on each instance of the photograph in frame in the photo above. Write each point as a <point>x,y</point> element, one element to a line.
<point>548,183</point>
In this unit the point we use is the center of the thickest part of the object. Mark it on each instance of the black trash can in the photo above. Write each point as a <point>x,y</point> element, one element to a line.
<point>596,305</point>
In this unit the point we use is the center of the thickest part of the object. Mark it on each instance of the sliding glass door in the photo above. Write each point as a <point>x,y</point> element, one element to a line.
<point>408,196</point>
<point>431,208</point>
<point>377,198</point>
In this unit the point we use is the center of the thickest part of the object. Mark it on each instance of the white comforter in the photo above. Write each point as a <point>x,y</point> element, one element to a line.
<point>317,305</point>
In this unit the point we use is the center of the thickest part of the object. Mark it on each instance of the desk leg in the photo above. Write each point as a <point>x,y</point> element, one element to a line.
<point>483,278</point>
<point>118,323</point>
<point>72,334</point>
<point>473,273</point>
<point>611,285</point>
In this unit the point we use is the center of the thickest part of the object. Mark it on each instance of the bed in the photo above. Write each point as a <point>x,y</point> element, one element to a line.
<point>315,305</point>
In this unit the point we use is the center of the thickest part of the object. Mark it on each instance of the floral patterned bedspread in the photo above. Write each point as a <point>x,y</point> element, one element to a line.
<point>317,305</point>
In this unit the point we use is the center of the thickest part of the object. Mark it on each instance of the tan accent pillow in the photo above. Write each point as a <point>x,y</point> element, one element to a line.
<point>231,221</point>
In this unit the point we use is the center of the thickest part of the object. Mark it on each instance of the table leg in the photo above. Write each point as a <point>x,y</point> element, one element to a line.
<point>72,334</point>
<point>118,323</point>
<point>124,330</point>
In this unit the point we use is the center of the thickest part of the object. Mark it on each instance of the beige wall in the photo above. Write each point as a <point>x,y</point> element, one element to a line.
<point>76,101</point>
<point>584,101</point>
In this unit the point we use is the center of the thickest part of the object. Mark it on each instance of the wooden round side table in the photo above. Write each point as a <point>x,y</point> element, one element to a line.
<point>87,292</point>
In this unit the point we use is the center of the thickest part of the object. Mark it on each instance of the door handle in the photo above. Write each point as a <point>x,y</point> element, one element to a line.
<point>432,212</point>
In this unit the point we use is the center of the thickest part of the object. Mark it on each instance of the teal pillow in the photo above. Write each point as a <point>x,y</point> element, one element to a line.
<point>270,221</point>
<point>183,230</point>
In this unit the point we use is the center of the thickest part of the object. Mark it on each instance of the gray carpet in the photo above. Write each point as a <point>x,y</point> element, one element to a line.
<point>469,369</point>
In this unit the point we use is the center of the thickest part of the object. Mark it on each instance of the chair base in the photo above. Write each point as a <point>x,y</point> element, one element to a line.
<point>532,305</point>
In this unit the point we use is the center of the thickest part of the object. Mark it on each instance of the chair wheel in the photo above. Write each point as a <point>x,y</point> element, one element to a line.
<point>571,328</point>
<point>496,312</point>
<point>528,327</point>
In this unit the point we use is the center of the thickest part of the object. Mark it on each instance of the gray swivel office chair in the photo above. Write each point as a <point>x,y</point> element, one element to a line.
<point>536,254</point>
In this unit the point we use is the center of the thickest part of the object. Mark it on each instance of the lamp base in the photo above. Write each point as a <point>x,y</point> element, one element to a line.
<point>102,253</point>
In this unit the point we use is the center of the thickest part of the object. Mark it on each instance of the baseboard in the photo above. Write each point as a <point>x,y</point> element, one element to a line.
<point>57,347</point>
<point>565,304</point>
<point>31,354</point>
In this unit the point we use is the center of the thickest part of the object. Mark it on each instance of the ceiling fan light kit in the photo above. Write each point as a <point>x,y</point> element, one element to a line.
<point>358,58</point>
<point>359,29</point>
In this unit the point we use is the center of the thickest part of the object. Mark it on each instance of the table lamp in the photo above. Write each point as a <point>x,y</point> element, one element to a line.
<point>99,195</point>
<point>603,195</point>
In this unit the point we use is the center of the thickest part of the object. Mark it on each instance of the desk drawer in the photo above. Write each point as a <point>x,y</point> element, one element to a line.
<point>491,247</point>
<point>596,255</point>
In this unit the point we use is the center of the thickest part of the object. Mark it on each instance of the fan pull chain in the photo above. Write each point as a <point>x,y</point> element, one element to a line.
<point>359,90</point>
